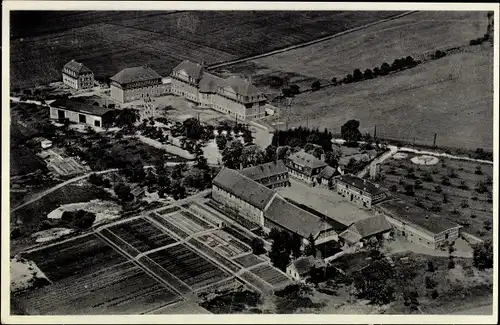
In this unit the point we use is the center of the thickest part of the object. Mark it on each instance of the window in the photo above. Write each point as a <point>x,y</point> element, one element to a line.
<point>97,123</point>
<point>446,236</point>
<point>82,118</point>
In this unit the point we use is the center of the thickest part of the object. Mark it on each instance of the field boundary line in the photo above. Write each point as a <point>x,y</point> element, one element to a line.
<point>241,255</point>
<point>165,229</point>
<point>123,240</point>
<point>112,244</point>
<point>305,44</point>
<point>117,222</point>
<point>157,249</point>
<point>263,263</point>
<point>167,272</point>
<point>37,248</point>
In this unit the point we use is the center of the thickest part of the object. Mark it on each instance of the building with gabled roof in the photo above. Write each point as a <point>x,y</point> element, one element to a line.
<point>234,96</point>
<point>304,166</point>
<point>273,174</point>
<point>136,83</point>
<point>362,230</point>
<point>80,112</point>
<point>77,76</point>
<point>418,225</point>
<point>359,190</point>
<point>268,209</point>
<point>301,267</point>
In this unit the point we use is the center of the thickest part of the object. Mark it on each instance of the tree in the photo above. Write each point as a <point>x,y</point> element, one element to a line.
<point>479,170</point>
<point>295,90</point>
<point>385,68</point>
<point>430,267</point>
<point>350,131</point>
<point>451,263</point>
<point>280,250</point>
<point>349,78</point>
<point>177,190</point>
<point>332,157</point>
<point>481,187</point>
<point>445,198</point>
<point>258,246</point>
<point>393,188</point>
<point>396,65</point>
<point>127,117</point>
<point>193,128</point>
<point>96,179</point>
<point>195,178</point>
<point>483,255</point>
<point>86,221</point>
<point>247,136</point>
<point>438,189</point>
<point>122,191</point>
<point>270,153</point>
<point>374,282</point>
<point>357,75</point>
<point>310,249</point>
<point>334,81</point>
<point>221,142</point>
<point>445,180</point>
<point>376,72</point>
<point>295,245</point>
<point>368,74</point>
<point>231,156</point>
<point>409,190</point>
<point>251,156</point>
<point>434,294</point>
<point>418,184</point>
<point>316,85</point>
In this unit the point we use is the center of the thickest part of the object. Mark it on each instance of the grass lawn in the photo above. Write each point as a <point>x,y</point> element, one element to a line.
<point>472,217</point>
<point>161,39</point>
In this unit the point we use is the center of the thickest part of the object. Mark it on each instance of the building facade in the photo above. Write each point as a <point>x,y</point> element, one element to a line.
<point>272,174</point>
<point>233,96</point>
<point>81,113</point>
<point>359,190</point>
<point>77,76</point>
<point>417,225</point>
<point>137,83</point>
<point>304,166</point>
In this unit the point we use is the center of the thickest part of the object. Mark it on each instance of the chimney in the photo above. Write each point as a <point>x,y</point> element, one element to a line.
<point>323,157</point>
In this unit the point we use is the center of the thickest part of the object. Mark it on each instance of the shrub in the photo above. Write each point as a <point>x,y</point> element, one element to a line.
<point>430,267</point>
<point>445,180</point>
<point>316,85</point>
<point>96,179</point>
<point>409,190</point>
<point>487,224</point>
<point>481,187</point>
<point>451,263</point>
<point>473,216</point>
<point>258,246</point>
<point>434,294</point>
<point>418,184</point>
<point>479,170</point>
<point>464,204</point>
<point>474,198</point>
<point>394,188</point>
<point>463,185</point>
<point>438,189</point>
<point>15,233</point>
<point>483,255</point>
<point>445,198</point>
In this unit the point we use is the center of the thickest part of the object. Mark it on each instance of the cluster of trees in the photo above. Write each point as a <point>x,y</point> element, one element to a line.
<point>126,118</point>
<point>285,245</point>
<point>148,129</point>
<point>375,282</point>
<point>80,219</point>
<point>483,255</point>
<point>300,136</point>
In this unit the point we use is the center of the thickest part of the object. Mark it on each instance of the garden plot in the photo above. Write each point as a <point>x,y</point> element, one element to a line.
<point>187,222</point>
<point>239,234</point>
<point>78,257</point>
<point>142,234</point>
<point>217,256</point>
<point>167,224</point>
<point>224,243</point>
<point>257,282</point>
<point>188,266</point>
<point>118,242</point>
<point>272,275</point>
<point>120,289</point>
<point>204,213</point>
<point>248,260</point>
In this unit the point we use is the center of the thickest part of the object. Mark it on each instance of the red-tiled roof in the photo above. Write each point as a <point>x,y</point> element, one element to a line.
<point>243,187</point>
<point>134,74</point>
<point>77,67</point>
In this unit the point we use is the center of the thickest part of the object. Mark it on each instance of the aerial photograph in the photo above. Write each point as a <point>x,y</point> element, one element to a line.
<point>251,162</point>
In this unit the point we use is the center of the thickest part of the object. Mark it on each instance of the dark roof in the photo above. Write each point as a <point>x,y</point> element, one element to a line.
<point>336,225</point>
<point>194,70</point>
<point>265,170</point>
<point>419,217</point>
<point>77,67</point>
<point>135,74</point>
<point>304,264</point>
<point>305,159</point>
<point>209,83</point>
<point>138,191</point>
<point>362,184</point>
<point>242,86</point>
<point>350,236</point>
<point>328,172</point>
<point>80,107</point>
<point>243,187</point>
<point>371,226</point>
<point>295,219</point>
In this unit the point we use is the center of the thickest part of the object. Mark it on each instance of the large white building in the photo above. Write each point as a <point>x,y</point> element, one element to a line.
<point>77,76</point>
<point>137,83</point>
<point>81,113</point>
<point>233,96</point>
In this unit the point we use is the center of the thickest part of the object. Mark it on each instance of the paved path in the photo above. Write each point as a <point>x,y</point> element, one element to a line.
<point>296,46</point>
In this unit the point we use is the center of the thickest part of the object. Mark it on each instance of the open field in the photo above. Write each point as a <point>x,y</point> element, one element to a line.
<point>188,266</point>
<point>81,256</point>
<point>121,289</point>
<point>272,276</point>
<point>463,204</point>
<point>451,96</point>
<point>122,40</point>
<point>141,234</point>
